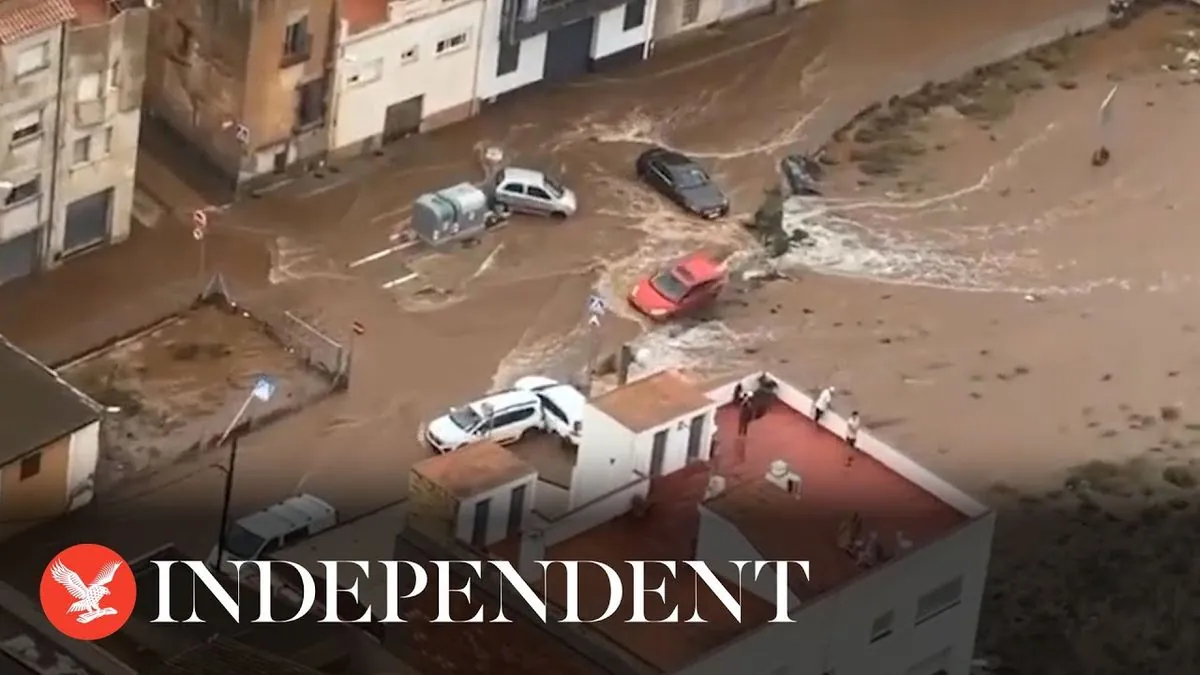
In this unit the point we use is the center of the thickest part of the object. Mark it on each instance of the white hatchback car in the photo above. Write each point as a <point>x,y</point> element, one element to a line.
<point>533,404</point>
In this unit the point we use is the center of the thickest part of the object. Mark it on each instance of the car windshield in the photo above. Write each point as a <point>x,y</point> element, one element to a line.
<point>465,418</point>
<point>552,186</point>
<point>669,285</point>
<point>243,544</point>
<point>690,177</point>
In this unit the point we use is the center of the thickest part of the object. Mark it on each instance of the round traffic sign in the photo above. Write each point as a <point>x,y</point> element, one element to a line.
<point>200,218</point>
<point>197,233</point>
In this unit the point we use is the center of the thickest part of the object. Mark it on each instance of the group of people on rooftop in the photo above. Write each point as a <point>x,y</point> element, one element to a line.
<point>753,404</point>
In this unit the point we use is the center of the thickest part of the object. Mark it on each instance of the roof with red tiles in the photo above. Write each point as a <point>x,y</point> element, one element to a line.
<point>646,403</point>
<point>815,523</point>
<point>476,468</point>
<point>361,15</point>
<point>22,18</point>
<point>667,530</point>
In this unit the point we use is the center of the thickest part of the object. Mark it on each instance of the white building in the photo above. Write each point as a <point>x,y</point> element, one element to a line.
<point>70,103</point>
<point>678,17</point>
<point>403,67</point>
<point>528,41</point>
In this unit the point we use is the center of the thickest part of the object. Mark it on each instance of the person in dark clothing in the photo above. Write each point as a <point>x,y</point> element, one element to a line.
<point>745,415</point>
<point>738,390</point>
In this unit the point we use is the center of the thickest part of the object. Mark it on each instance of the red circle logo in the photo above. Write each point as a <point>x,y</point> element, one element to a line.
<point>88,592</point>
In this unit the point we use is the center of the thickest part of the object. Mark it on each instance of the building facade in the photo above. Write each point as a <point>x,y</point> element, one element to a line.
<point>524,42</point>
<point>675,18</point>
<point>71,115</point>
<point>49,443</point>
<point>245,85</point>
<point>402,67</point>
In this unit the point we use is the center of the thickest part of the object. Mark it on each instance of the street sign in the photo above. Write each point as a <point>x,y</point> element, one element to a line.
<point>358,328</point>
<point>198,233</point>
<point>200,218</point>
<point>596,306</point>
<point>264,389</point>
<point>1106,106</point>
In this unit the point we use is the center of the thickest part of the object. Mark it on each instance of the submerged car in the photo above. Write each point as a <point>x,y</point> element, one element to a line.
<point>532,192</point>
<point>533,404</point>
<point>680,179</point>
<point>686,286</point>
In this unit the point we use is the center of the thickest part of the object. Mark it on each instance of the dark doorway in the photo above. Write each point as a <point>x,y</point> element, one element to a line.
<point>569,51</point>
<point>658,453</point>
<point>403,119</point>
<point>516,510</point>
<point>281,158</point>
<point>695,437</point>
<point>479,533</point>
<point>87,221</point>
<point>19,255</point>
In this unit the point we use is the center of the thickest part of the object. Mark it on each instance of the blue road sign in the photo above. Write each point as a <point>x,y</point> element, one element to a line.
<point>264,389</point>
<point>596,306</point>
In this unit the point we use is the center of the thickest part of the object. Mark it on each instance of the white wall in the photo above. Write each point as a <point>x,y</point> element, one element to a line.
<point>594,513</point>
<point>668,17</point>
<point>385,76</point>
<point>552,500</point>
<point>833,633</point>
<point>611,37</point>
<point>82,457</point>
<point>530,68</point>
<point>605,458</point>
<point>498,511</point>
<point>678,432</point>
<point>719,541</point>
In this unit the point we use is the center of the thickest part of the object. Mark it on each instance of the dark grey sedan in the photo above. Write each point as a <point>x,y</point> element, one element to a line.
<point>680,179</point>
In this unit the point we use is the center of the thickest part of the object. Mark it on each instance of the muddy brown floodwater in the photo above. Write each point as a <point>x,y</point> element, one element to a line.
<point>180,385</point>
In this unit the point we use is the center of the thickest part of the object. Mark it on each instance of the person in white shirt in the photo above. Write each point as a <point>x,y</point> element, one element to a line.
<point>852,424</point>
<point>821,405</point>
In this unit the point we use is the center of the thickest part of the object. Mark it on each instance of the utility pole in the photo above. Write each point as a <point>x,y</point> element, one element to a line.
<point>225,502</point>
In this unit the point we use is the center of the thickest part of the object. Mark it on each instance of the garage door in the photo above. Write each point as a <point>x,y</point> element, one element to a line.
<point>402,119</point>
<point>87,221</point>
<point>18,257</point>
<point>569,50</point>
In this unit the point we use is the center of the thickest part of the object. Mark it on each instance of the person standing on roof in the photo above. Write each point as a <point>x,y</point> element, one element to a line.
<point>852,425</point>
<point>821,405</point>
<point>745,412</point>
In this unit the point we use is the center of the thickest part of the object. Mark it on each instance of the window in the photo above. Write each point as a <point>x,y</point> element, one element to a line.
<point>691,12</point>
<point>295,41</point>
<point>511,417</point>
<point>516,510</point>
<point>509,57</point>
<point>294,536</point>
<point>452,43</point>
<point>514,189</point>
<point>479,530</point>
<point>24,192</point>
<point>27,126</point>
<point>83,150</point>
<point>635,14</point>
<point>940,599</point>
<point>538,193</point>
<point>106,144</point>
<point>882,627</point>
<point>552,408</point>
<point>408,56</point>
<point>310,103</point>
<point>31,466</point>
<point>89,87</point>
<point>369,72</point>
<point>186,41</point>
<point>33,59</point>
<point>114,74</point>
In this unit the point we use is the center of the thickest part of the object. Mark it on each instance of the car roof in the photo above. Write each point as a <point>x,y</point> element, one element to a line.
<point>293,513</point>
<point>700,267</point>
<point>523,175</point>
<point>507,398</point>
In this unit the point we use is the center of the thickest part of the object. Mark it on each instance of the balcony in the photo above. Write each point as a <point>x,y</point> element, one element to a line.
<point>523,19</point>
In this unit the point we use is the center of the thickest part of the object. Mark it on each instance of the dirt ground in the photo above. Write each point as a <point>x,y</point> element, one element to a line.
<point>181,384</point>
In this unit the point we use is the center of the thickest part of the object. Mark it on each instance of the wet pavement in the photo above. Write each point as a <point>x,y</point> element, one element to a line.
<point>519,296</point>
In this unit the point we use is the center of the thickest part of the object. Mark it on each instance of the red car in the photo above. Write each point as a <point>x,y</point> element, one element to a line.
<point>686,286</point>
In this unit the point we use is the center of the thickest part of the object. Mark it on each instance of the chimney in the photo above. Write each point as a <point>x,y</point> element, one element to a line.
<point>533,549</point>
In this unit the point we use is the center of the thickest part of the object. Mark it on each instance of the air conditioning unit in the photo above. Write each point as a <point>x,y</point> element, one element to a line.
<point>784,478</point>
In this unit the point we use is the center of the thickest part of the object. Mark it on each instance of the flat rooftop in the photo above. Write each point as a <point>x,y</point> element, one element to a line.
<point>653,400</point>
<point>39,407</point>
<point>476,468</point>
<point>784,526</point>
<point>666,531</point>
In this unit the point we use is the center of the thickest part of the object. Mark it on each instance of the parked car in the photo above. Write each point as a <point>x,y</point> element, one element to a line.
<point>529,191</point>
<point>275,527</point>
<point>562,406</point>
<point>680,179</point>
<point>504,417</point>
<point>686,286</point>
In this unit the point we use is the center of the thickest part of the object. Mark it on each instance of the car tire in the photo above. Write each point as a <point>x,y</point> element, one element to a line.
<point>558,215</point>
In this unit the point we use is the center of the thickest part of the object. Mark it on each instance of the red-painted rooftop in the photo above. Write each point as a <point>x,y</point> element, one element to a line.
<point>781,525</point>
<point>806,526</point>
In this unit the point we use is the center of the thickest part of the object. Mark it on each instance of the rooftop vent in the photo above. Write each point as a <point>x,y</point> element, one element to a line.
<point>716,485</point>
<point>784,478</point>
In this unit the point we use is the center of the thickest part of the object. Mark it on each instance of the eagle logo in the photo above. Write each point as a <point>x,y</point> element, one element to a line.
<point>88,611</point>
<point>87,596</point>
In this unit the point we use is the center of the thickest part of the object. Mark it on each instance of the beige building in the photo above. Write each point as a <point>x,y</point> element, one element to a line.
<point>49,443</point>
<point>70,105</point>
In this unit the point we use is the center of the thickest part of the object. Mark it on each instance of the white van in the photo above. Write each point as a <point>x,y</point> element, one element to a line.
<point>260,534</point>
